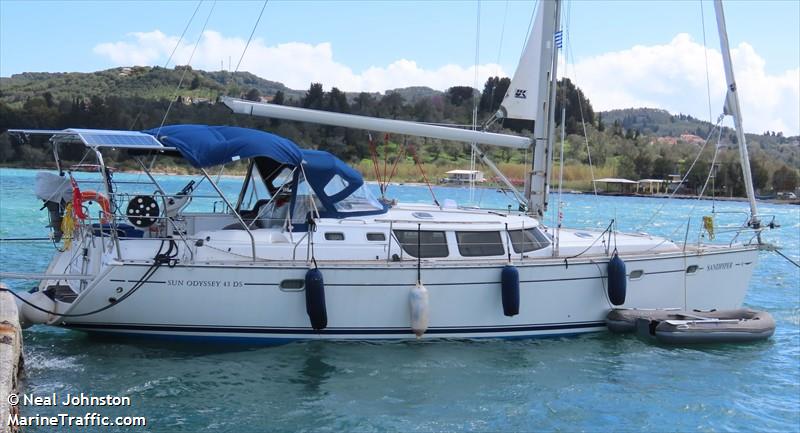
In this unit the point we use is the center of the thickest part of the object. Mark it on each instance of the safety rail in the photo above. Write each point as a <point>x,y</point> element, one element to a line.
<point>740,229</point>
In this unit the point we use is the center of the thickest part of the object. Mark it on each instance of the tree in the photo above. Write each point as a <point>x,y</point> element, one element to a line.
<point>644,165</point>
<point>279,98</point>
<point>314,97</point>
<point>662,168</point>
<point>458,95</point>
<point>391,105</point>
<point>253,95</point>
<point>577,109</point>
<point>493,93</point>
<point>759,173</point>
<point>626,168</point>
<point>364,104</point>
<point>195,82</point>
<point>785,179</point>
<point>336,101</point>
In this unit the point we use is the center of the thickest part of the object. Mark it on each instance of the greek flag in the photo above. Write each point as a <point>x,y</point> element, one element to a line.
<point>559,39</point>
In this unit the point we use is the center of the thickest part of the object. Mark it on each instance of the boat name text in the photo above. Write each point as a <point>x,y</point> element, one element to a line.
<point>204,283</point>
<point>719,266</point>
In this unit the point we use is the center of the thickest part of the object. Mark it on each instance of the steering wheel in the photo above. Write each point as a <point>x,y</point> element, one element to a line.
<point>142,211</point>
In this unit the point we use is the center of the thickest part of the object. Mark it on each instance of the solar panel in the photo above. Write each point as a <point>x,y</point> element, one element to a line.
<point>121,139</point>
<point>97,138</point>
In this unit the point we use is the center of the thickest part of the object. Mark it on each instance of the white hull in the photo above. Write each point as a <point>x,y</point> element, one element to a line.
<point>369,300</point>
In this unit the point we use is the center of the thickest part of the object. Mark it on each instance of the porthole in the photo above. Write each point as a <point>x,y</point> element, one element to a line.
<point>334,236</point>
<point>292,285</point>
<point>378,237</point>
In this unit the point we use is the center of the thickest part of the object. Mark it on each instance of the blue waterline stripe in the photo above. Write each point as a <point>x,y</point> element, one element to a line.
<point>329,331</point>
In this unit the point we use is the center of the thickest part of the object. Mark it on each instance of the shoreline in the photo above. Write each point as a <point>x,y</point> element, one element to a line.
<point>445,185</point>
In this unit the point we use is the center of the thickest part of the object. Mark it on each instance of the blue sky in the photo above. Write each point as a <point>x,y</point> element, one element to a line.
<point>376,45</point>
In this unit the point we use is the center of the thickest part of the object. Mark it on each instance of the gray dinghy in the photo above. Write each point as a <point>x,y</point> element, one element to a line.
<point>689,327</point>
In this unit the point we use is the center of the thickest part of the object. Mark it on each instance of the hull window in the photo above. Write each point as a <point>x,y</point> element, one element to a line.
<point>474,244</point>
<point>334,236</point>
<point>432,244</point>
<point>380,237</point>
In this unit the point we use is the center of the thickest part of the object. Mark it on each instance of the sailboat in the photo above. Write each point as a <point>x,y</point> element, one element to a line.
<point>307,252</point>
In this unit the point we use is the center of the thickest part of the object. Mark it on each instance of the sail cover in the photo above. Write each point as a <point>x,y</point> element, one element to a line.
<point>525,92</point>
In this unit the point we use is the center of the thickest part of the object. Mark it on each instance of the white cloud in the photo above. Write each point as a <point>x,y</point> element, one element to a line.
<point>296,64</point>
<point>673,77</point>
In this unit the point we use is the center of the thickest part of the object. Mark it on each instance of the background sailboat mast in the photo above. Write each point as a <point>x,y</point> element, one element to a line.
<point>732,107</point>
<point>538,186</point>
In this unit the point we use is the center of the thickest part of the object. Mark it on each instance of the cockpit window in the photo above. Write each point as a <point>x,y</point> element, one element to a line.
<point>256,189</point>
<point>528,240</point>
<point>335,185</point>
<point>304,202</point>
<point>360,200</point>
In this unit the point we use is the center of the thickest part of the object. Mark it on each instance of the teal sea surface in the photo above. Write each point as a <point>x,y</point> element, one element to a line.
<point>595,382</point>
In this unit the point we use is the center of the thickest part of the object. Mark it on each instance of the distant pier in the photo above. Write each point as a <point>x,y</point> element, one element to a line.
<point>10,356</point>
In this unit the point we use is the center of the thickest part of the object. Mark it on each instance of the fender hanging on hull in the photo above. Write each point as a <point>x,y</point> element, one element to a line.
<point>315,299</point>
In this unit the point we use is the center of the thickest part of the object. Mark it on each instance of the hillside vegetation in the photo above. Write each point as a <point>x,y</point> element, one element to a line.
<point>634,143</point>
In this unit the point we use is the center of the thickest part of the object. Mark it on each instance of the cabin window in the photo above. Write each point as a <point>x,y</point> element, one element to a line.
<point>361,200</point>
<point>524,241</point>
<point>335,186</point>
<point>334,236</point>
<point>432,244</point>
<point>379,237</point>
<point>255,190</point>
<point>305,201</point>
<point>474,244</point>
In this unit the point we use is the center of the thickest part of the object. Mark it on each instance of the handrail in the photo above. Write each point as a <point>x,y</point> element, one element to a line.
<point>436,222</point>
<point>297,244</point>
<point>236,214</point>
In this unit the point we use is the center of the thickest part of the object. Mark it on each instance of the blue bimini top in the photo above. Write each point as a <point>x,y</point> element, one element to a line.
<point>206,146</point>
<point>332,180</point>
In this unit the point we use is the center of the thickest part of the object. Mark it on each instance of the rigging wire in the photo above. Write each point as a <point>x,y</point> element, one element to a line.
<point>188,64</point>
<point>422,171</point>
<point>583,120</point>
<point>174,49</point>
<point>475,101</point>
<point>530,26</point>
<point>499,51</point>
<point>685,176</point>
<point>705,54</point>
<point>258,20</point>
<point>560,207</point>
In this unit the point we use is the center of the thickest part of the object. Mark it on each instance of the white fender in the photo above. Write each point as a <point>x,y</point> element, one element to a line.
<point>419,309</point>
<point>30,316</point>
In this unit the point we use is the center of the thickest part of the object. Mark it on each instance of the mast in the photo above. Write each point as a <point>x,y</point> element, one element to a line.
<point>732,107</point>
<point>538,187</point>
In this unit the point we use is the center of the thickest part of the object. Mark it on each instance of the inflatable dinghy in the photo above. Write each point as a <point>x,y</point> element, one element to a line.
<point>689,327</point>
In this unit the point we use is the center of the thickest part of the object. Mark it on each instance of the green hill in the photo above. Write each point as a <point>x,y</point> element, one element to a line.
<point>138,81</point>
<point>660,123</point>
<point>632,143</point>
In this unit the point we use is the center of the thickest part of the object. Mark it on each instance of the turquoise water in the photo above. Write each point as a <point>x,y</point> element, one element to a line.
<point>597,382</point>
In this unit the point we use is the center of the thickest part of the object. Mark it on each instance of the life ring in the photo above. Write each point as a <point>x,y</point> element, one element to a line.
<point>78,197</point>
